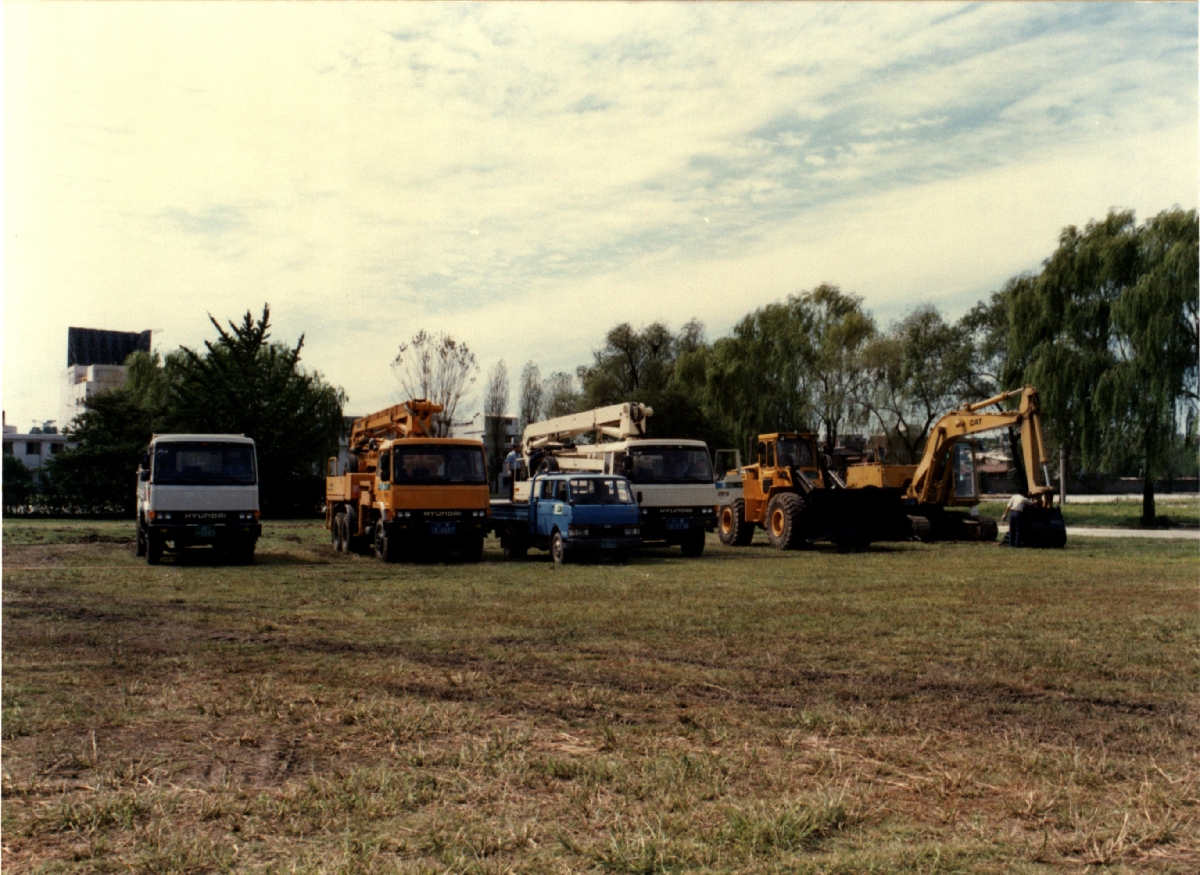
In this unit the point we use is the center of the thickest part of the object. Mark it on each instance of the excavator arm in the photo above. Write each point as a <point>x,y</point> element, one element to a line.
<point>929,480</point>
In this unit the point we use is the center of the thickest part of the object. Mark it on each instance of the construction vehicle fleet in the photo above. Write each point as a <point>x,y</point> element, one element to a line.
<point>947,474</point>
<point>672,480</point>
<point>595,482</point>
<point>405,492</point>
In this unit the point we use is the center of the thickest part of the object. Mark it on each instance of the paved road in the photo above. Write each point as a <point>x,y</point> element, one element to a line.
<point>1098,532</point>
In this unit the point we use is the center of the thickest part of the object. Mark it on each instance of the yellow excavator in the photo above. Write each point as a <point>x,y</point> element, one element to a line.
<point>947,474</point>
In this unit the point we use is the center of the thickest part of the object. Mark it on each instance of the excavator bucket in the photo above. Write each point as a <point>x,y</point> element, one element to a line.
<point>1039,527</point>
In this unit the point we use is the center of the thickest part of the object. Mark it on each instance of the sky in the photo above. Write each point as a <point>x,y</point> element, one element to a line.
<point>526,176</point>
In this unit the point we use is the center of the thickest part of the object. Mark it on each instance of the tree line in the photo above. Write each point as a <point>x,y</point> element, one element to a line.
<point>1106,329</point>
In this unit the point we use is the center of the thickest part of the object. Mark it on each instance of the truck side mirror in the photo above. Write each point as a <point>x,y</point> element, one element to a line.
<point>639,496</point>
<point>627,466</point>
<point>144,475</point>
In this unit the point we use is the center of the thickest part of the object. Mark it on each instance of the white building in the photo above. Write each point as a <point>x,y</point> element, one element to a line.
<point>35,446</point>
<point>95,365</point>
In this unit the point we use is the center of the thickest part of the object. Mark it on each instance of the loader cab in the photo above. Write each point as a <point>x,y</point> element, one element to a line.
<point>785,450</point>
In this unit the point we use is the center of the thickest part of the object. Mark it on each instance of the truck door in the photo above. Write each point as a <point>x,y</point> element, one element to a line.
<point>548,502</point>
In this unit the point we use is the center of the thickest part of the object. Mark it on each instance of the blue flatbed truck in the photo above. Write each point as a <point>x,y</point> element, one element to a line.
<point>570,515</point>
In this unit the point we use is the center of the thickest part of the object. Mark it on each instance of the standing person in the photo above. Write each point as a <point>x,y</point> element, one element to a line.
<point>1015,512</point>
<point>511,463</point>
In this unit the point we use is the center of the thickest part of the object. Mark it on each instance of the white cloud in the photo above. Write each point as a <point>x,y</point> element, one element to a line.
<point>524,177</point>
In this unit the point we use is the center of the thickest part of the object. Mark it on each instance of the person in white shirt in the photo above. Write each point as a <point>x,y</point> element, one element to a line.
<point>1017,505</point>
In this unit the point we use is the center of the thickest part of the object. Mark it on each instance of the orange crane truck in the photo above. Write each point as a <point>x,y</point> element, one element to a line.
<point>405,492</point>
<point>946,476</point>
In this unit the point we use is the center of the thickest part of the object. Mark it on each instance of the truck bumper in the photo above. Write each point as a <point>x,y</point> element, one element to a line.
<point>190,534</point>
<point>601,545</point>
<point>673,528</point>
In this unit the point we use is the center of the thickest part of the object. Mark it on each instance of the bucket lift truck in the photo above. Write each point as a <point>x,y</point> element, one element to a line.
<point>672,479</point>
<point>404,490</point>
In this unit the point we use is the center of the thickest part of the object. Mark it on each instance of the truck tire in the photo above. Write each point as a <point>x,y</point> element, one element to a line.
<point>558,549</point>
<point>141,540</point>
<point>513,545</point>
<point>343,532</point>
<point>472,548</point>
<point>732,527</point>
<point>335,530</point>
<point>386,546</point>
<point>693,543</point>
<point>242,552</point>
<point>783,521</point>
<point>154,549</point>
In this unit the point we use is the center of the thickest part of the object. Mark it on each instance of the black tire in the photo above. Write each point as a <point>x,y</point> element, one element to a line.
<point>513,545</point>
<point>732,528</point>
<point>343,532</point>
<point>558,549</point>
<point>154,549</point>
<point>335,530</point>
<point>242,553</point>
<point>783,521</point>
<point>141,540</point>
<point>472,548</point>
<point>693,543</point>
<point>386,548</point>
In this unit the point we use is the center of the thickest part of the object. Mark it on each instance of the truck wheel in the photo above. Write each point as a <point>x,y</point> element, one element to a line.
<point>472,548</point>
<point>344,532</point>
<point>241,552</point>
<point>514,546</point>
<point>693,543</point>
<point>154,549</point>
<point>732,527</point>
<point>336,529</point>
<point>558,550</point>
<point>386,548</point>
<point>141,540</point>
<point>783,521</point>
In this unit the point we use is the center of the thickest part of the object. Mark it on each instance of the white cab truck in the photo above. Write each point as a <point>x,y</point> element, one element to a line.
<point>672,479</point>
<point>198,489</point>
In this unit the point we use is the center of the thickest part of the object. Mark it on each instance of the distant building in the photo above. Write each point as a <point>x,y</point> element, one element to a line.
<point>95,364</point>
<point>35,446</point>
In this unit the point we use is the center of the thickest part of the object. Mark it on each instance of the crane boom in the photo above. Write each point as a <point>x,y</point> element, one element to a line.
<point>619,421</point>
<point>413,418</point>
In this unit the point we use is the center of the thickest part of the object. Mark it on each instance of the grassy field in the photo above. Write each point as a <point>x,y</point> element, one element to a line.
<point>915,708</point>
<point>1121,512</point>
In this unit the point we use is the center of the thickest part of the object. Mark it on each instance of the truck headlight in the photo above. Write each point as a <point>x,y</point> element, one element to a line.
<point>632,531</point>
<point>166,516</point>
<point>577,531</point>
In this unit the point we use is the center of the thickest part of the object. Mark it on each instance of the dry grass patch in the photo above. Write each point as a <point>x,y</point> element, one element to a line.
<point>917,708</point>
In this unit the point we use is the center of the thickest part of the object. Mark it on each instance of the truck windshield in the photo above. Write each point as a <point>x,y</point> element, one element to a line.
<point>430,463</point>
<point>669,465</point>
<point>596,490</point>
<point>204,463</point>
<point>795,452</point>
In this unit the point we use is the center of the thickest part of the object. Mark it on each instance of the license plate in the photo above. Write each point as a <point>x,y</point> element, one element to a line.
<point>676,524</point>
<point>608,545</point>
<point>206,531</point>
<point>443,528</point>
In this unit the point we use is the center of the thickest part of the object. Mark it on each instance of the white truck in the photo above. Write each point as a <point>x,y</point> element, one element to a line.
<point>672,479</point>
<point>198,489</point>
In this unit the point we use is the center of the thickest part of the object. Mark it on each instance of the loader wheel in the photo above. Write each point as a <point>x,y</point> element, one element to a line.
<point>783,521</point>
<point>732,527</point>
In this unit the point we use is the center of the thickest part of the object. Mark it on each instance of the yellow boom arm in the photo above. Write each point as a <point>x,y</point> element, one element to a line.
<point>929,478</point>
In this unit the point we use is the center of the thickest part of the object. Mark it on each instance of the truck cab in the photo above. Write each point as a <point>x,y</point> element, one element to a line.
<point>197,489</point>
<point>570,514</point>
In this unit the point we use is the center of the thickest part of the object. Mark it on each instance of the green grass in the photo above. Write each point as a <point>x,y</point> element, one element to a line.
<point>915,708</point>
